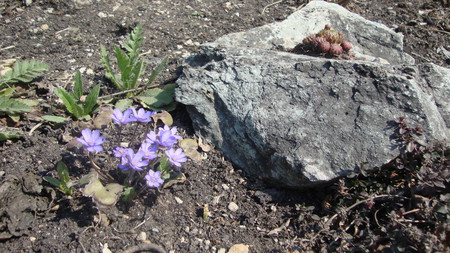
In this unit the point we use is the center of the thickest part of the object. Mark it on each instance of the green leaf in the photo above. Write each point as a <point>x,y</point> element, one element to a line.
<point>13,106</point>
<point>157,98</point>
<point>9,133</point>
<point>91,100</point>
<point>7,92</point>
<point>28,102</point>
<point>24,71</point>
<point>106,62</point>
<point>129,194</point>
<point>78,86</point>
<point>63,172</point>
<point>53,181</point>
<point>55,119</point>
<point>70,103</point>
<point>157,70</point>
<point>124,104</point>
<point>123,62</point>
<point>136,72</point>
<point>134,42</point>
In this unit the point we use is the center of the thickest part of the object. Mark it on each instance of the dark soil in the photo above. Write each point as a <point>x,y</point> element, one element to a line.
<point>369,212</point>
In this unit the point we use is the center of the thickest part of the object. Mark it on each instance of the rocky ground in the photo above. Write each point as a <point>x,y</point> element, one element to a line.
<point>378,211</point>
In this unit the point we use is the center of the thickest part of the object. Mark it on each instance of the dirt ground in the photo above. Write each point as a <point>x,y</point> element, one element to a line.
<point>66,34</point>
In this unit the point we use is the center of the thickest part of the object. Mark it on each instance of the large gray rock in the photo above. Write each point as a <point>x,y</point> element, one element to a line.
<point>370,40</point>
<point>296,120</point>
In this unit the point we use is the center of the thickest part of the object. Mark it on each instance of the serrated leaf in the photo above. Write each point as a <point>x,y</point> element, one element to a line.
<point>13,106</point>
<point>24,71</point>
<point>135,40</point>
<point>157,70</point>
<point>91,100</point>
<point>78,86</point>
<point>63,172</point>
<point>109,73</point>
<point>55,119</point>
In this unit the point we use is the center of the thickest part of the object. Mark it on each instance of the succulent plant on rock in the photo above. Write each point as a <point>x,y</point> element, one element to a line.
<point>326,41</point>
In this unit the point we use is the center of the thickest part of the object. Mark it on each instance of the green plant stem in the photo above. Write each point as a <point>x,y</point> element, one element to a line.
<point>128,91</point>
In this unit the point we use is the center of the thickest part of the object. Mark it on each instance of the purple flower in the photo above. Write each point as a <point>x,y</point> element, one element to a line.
<point>120,152</point>
<point>167,137</point>
<point>133,160</point>
<point>176,157</point>
<point>122,118</point>
<point>142,115</point>
<point>149,150</point>
<point>92,140</point>
<point>154,179</point>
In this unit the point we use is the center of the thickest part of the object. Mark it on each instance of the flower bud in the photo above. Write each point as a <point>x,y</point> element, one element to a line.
<point>327,27</point>
<point>346,46</point>
<point>325,46</point>
<point>335,49</point>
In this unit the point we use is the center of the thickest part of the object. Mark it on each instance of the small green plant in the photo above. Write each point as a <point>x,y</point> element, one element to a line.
<point>25,72</point>
<point>73,100</point>
<point>63,184</point>
<point>132,69</point>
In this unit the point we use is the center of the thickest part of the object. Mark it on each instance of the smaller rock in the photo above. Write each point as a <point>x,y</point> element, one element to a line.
<point>44,27</point>
<point>238,248</point>
<point>142,236</point>
<point>222,250</point>
<point>102,15</point>
<point>233,207</point>
<point>178,200</point>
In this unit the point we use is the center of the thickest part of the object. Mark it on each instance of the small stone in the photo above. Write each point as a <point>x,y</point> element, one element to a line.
<point>178,200</point>
<point>142,236</point>
<point>233,207</point>
<point>89,72</point>
<point>225,187</point>
<point>222,250</point>
<point>102,15</point>
<point>238,248</point>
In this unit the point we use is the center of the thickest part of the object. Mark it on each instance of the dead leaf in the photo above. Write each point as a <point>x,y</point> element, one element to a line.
<point>204,146</point>
<point>279,229</point>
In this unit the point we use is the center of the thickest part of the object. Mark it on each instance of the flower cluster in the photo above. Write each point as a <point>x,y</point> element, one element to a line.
<point>328,41</point>
<point>159,147</point>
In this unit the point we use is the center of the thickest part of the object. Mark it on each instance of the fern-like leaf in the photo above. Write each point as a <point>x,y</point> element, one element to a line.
<point>12,106</point>
<point>106,62</point>
<point>24,71</point>
<point>134,42</point>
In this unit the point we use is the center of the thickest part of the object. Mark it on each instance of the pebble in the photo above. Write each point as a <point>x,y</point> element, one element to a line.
<point>178,200</point>
<point>142,236</point>
<point>233,207</point>
<point>102,15</point>
<point>238,248</point>
<point>225,187</point>
<point>222,250</point>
